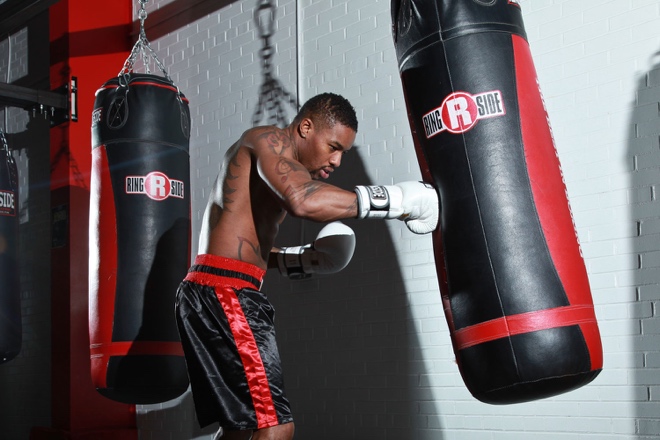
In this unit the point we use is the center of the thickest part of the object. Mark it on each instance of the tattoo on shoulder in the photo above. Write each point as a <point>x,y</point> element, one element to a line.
<point>233,163</point>
<point>278,141</point>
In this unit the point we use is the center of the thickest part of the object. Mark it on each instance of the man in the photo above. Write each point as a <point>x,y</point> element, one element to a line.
<point>226,324</point>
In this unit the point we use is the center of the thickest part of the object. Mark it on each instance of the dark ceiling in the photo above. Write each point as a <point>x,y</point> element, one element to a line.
<point>15,13</point>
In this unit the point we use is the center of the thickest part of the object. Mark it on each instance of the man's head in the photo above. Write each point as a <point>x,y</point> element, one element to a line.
<point>327,109</point>
<point>326,126</point>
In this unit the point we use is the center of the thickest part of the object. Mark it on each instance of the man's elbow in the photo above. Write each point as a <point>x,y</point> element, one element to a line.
<point>307,210</point>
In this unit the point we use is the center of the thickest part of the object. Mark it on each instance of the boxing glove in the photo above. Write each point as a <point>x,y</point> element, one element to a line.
<point>329,253</point>
<point>416,203</point>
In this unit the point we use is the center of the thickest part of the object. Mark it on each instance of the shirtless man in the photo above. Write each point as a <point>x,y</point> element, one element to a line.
<point>225,322</point>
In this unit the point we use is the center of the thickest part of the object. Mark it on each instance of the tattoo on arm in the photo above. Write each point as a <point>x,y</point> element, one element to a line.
<point>303,192</point>
<point>352,209</point>
<point>311,187</point>
<point>285,166</point>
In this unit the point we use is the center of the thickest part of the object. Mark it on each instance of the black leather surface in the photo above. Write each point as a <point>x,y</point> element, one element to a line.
<point>496,254</point>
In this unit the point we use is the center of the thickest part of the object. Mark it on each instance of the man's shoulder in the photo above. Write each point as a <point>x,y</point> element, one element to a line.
<point>266,139</point>
<point>261,131</point>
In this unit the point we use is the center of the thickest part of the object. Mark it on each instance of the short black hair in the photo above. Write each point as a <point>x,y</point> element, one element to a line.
<point>329,109</point>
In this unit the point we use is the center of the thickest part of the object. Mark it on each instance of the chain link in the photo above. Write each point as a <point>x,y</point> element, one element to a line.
<point>271,93</point>
<point>3,139</point>
<point>142,48</point>
<point>12,172</point>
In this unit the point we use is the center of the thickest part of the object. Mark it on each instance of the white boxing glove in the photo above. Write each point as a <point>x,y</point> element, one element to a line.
<point>416,203</point>
<point>331,252</point>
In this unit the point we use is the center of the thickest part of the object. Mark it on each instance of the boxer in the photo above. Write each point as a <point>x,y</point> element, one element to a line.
<point>225,322</point>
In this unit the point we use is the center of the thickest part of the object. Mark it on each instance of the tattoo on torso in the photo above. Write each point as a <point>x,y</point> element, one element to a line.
<point>245,245</point>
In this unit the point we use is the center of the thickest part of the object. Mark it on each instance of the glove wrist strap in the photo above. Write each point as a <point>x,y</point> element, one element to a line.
<point>290,263</point>
<point>373,201</point>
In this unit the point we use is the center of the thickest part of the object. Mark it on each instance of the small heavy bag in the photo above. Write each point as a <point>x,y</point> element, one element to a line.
<point>139,237</point>
<point>513,281</point>
<point>10,287</point>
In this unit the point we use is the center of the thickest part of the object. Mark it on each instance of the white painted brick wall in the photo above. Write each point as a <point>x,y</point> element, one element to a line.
<point>366,353</point>
<point>14,49</point>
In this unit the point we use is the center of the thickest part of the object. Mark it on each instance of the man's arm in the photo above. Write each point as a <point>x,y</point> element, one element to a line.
<point>416,203</point>
<point>301,195</point>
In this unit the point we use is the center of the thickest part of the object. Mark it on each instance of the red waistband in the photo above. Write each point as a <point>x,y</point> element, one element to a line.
<point>214,270</point>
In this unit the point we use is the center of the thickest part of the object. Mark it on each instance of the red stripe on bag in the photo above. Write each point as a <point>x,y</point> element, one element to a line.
<point>524,323</point>
<point>548,188</point>
<point>549,191</point>
<point>255,371</point>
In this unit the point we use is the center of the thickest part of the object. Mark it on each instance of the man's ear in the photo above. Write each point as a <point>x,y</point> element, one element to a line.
<point>305,127</point>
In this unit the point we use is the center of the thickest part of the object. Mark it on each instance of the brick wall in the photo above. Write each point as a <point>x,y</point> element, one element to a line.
<point>598,67</point>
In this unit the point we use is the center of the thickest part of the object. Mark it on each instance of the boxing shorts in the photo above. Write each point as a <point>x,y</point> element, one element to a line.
<point>228,337</point>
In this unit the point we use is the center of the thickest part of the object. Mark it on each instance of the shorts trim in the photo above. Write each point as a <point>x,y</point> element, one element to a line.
<point>212,270</point>
<point>255,372</point>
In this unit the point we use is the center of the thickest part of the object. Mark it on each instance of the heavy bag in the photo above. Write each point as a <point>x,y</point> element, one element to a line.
<point>513,281</point>
<point>10,292</point>
<point>139,237</point>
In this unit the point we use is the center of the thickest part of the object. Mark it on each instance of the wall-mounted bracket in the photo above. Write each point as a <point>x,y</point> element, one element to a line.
<point>60,105</point>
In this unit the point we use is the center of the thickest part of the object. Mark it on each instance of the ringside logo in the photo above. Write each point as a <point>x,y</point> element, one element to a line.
<point>155,185</point>
<point>96,116</point>
<point>460,111</point>
<point>7,203</point>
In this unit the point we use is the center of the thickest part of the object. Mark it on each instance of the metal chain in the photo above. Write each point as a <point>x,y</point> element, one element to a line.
<point>3,139</point>
<point>143,48</point>
<point>13,177</point>
<point>271,92</point>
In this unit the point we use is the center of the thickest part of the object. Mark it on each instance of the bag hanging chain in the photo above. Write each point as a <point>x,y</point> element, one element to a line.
<point>10,158</point>
<point>3,140</point>
<point>5,145</point>
<point>142,47</point>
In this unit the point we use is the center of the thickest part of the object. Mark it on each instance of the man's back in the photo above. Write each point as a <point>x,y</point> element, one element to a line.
<point>243,215</point>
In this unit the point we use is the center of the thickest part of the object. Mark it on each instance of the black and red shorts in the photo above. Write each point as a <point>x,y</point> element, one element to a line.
<point>228,337</point>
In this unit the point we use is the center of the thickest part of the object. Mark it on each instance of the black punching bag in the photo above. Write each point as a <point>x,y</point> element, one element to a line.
<point>10,293</point>
<point>513,280</point>
<point>139,237</point>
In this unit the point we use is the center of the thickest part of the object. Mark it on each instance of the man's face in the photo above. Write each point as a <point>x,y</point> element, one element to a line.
<point>325,148</point>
